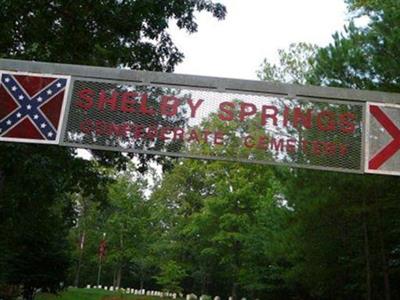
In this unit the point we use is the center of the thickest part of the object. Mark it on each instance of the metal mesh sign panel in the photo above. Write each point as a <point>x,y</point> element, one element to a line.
<point>215,125</point>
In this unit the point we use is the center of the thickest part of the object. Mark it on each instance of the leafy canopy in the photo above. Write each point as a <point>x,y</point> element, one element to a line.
<point>103,33</point>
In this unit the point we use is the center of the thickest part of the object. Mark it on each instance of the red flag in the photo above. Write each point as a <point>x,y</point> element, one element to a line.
<point>102,248</point>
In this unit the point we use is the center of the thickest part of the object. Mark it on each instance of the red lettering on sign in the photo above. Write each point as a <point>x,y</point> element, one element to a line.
<point>87,96</point>
<point>330,148</point>
<point>193,136</point>
<point>343,150</point>
<point>86,126</point>
<point>347,122</point>
<point>128,101</point>
<point>164,132</point>
<point>286,116</point>
<point>138,132</point>
<point>151,133</point>
<point>104,99</point>
<point>194,106</point>
<point>246,110</point>
<point>143,105</point>
<point>169,105</point>
<point>206,134</point>
<point>305,119</point>
<point>316,147</point>
<point>269,112</point>
<point>249,142</point>
<point>326,121</point>
<point>277,144</point>
<point>262,142</point>
<point>218,138</point>
<point>227,109</point>
<point>178,134</point>
<point>291,145</point>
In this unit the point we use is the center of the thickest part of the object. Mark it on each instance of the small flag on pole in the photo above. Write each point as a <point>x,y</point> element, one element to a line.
<point>102,248</point>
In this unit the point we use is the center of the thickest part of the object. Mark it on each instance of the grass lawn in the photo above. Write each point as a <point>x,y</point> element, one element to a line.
<point>91,294</point>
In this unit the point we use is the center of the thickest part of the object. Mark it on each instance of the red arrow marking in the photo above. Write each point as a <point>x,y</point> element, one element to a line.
<point>382,156</point>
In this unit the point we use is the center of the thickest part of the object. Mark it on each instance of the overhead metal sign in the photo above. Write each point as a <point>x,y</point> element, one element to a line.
<point>383,139</point>
<point>32,107</point>
<point>198,117</point>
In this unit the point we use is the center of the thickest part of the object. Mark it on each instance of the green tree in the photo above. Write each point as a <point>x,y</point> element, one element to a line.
<point>109,33</point>
<point>171,276</point>
<point>125,219</point>
<point>36,213</point>
<point>365,57</point>
<point>127,227</point>
<point>347,222</point>
<point>213,212</point>
<point>293,66</point>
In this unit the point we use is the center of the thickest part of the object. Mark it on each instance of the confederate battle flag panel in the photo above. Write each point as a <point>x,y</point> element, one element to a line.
<point>31,107</point>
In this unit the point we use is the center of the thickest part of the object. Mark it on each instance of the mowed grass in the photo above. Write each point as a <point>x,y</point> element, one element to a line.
<point>91,294</point>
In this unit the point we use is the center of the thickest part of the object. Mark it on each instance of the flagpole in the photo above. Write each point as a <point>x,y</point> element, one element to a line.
<point>78,268</point>
<point>99,272</point>
<point>101,253</point>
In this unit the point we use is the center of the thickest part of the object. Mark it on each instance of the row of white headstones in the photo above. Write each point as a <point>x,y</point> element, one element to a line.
<point>143,292</point>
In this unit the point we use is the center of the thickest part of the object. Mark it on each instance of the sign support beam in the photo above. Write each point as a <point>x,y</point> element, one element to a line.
<point>199,82</point>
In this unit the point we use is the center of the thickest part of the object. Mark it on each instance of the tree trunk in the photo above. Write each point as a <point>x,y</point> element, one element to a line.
<point>78,267</point>
<point>119,275</point>
<point>141,282</point>
<point>119,270</point>
<point>367,256</point>
<point>28,293</point>
<point>115,278</point>
<point>204,284</point>
<point>385,267</point>
<point>1,179</point>
<point>234,291</point>
<point>386,279</point>
<point>78,270</point>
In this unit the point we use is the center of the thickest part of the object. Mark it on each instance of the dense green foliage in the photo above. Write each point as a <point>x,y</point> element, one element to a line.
<point>294,64</point>
<point>212,228</point>
<point>36,182</point>
<point>348,223</point>
<point>101,33</point>
<point>367,58</point>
